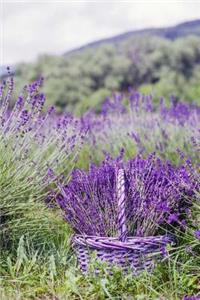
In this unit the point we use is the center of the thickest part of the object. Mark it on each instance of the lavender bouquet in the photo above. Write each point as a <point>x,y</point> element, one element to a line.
<point>155,191</point>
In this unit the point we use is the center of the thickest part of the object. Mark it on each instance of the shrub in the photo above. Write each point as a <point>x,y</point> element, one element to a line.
<point>36,147</point>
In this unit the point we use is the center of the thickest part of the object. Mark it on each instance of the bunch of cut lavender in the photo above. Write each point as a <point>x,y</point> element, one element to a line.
<point>155,195</point>
<point>89,200</point>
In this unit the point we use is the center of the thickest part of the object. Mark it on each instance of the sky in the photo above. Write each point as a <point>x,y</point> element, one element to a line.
<point>31,28</point>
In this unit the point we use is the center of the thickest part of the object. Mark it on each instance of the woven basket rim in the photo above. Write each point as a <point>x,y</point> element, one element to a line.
<point>132,243</point>
<point>116,238</point>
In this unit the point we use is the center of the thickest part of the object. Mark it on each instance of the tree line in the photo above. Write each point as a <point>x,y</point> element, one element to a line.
<point>150,64</point>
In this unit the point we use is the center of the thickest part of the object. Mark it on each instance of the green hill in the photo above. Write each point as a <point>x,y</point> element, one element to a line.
<point>171,33</point>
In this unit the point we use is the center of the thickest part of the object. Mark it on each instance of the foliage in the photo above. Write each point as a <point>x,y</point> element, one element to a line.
<point>82,79</point>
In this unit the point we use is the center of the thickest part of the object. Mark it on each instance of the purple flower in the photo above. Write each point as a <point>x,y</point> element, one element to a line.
<point>173,218</point>
<point>197,234</point>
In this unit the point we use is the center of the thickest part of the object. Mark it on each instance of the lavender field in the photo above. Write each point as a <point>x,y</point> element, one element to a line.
<point>57,178</point>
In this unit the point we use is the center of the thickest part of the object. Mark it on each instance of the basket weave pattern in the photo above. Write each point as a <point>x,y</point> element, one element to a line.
<point>135,253</point>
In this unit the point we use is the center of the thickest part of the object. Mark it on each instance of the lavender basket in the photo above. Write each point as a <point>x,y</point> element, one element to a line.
<point>135,253</point>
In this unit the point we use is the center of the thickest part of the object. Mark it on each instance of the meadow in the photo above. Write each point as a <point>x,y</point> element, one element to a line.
<point>44,153</point>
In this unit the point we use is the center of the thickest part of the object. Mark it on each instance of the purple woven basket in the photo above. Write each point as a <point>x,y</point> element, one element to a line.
<point>135,253</point>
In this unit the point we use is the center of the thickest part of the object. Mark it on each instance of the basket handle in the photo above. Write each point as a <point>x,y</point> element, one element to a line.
<point>122,230</point>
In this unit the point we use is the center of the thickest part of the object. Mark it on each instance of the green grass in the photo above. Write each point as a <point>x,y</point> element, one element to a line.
<point>56,277</point>
<point>50,271</point>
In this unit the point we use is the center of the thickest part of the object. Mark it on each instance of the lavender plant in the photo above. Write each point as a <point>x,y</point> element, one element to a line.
<point>36,147</point>
<point>156,195</point>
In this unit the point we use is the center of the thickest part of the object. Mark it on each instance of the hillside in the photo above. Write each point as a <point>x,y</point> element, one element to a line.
<point>161,61</point>
<point>171,33</point>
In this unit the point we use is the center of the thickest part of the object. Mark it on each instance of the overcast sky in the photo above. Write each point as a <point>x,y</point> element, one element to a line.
<point>29,28</point>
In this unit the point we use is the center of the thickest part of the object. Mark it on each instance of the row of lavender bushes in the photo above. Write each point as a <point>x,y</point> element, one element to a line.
<point>136,124</point>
